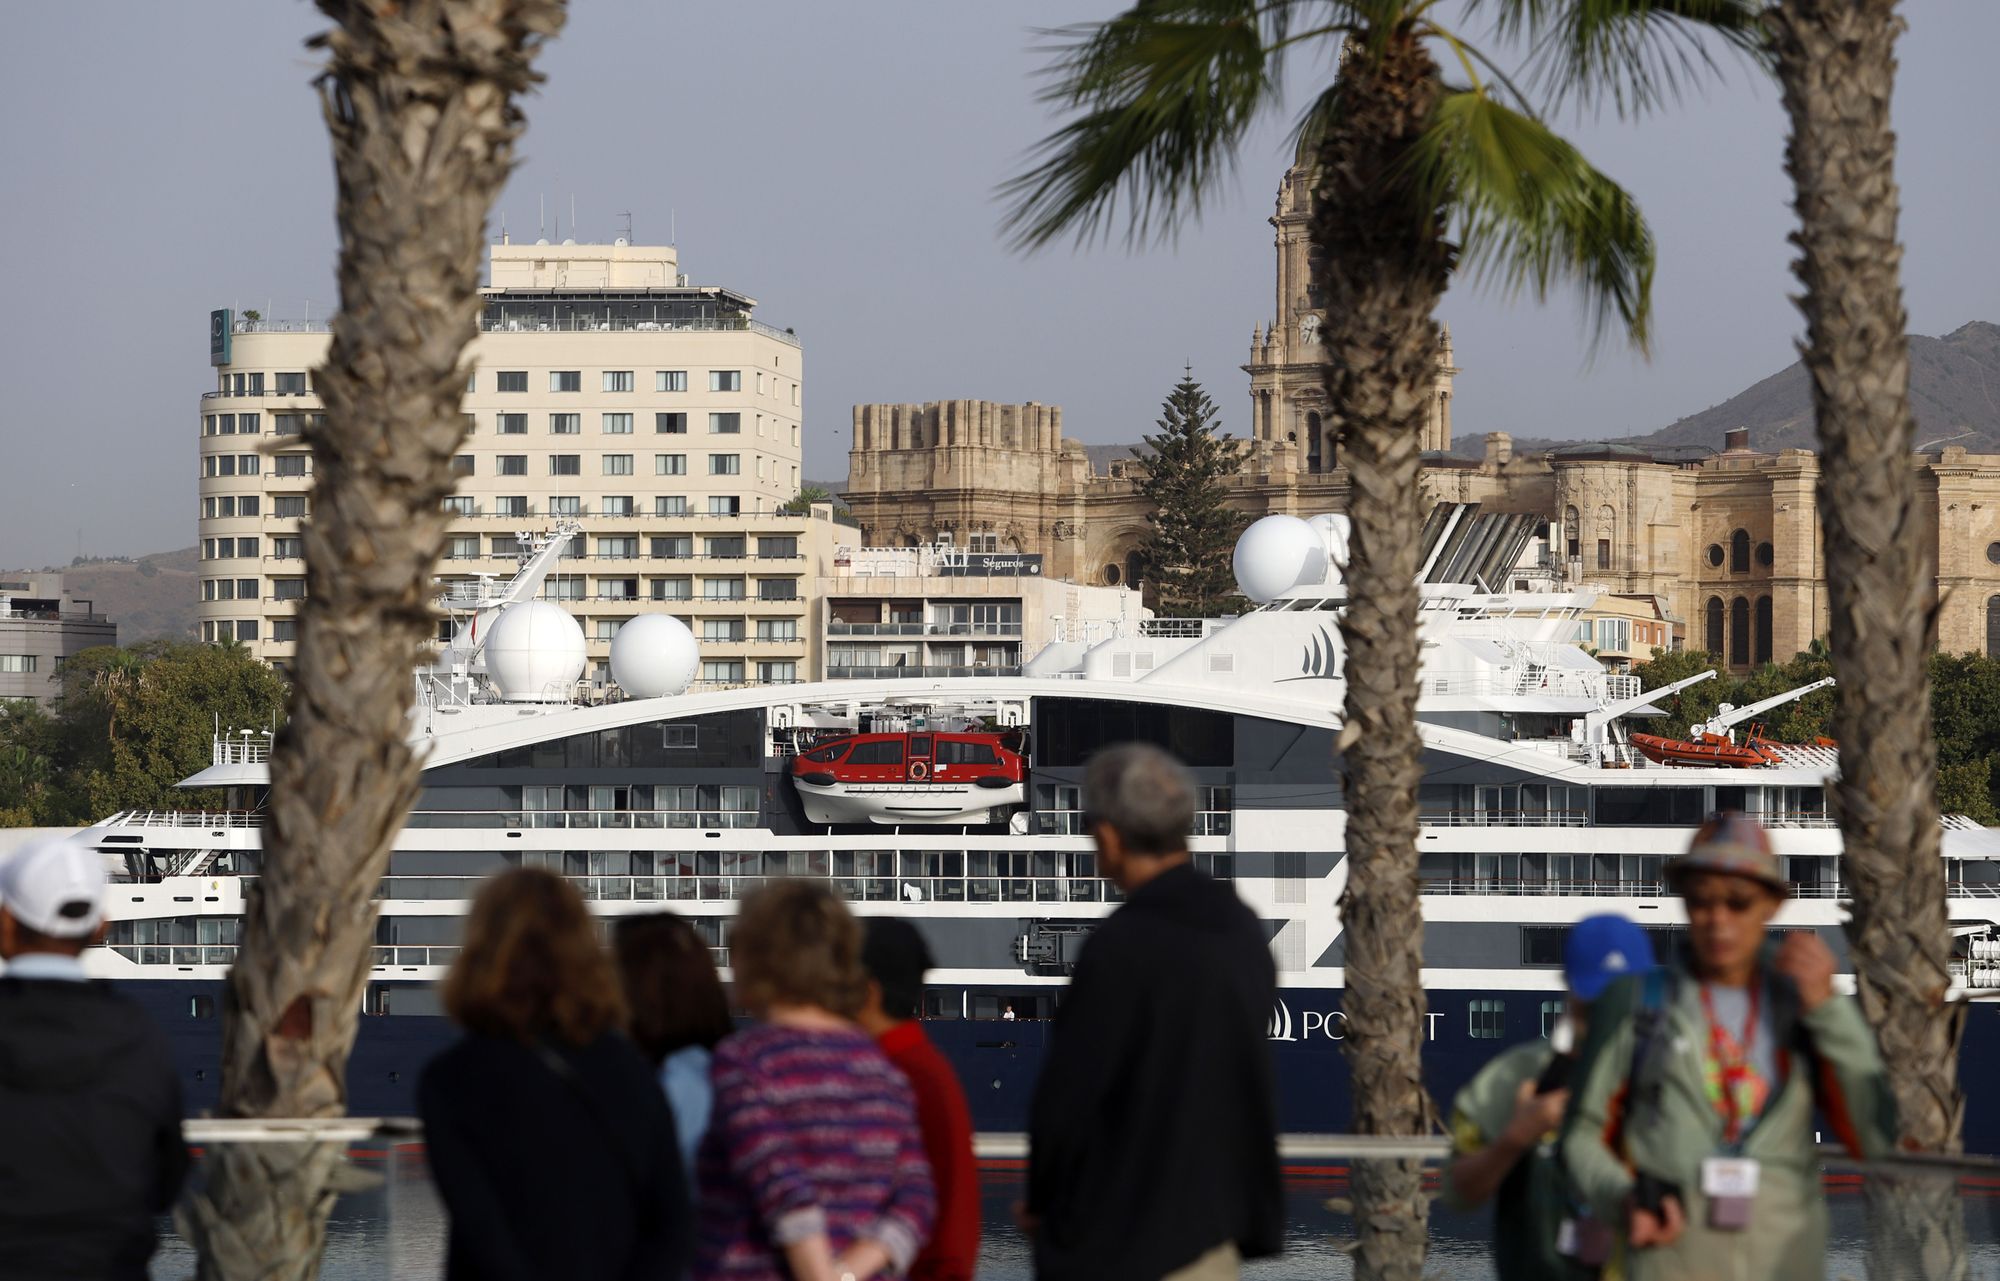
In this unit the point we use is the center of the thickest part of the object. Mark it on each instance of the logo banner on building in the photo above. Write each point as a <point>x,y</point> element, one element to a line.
<point>219,325</point>
<point>990,565</point>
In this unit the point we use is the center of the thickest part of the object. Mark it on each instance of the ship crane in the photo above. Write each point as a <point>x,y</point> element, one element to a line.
<point>1595,726</point>
<point>1729,715</point>
<point>539,553</point>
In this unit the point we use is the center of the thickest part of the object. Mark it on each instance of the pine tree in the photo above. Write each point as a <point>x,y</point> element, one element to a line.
<point>1194,532</point>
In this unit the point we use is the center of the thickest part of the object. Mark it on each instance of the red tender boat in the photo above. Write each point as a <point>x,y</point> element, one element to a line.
<point>912,777</point>
<point>1707,749</point>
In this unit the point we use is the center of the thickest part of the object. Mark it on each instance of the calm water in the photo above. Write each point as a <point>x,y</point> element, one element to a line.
<point>397,1231</point>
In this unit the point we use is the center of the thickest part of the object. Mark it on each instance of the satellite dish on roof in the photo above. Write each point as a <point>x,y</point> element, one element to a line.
<point>1277,554</point>
<point>654,656</point>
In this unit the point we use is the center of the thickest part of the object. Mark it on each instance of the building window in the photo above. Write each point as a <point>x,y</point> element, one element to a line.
<point>670,505</point>
<point>618,424</point>
<point>777,589</point>
<point>462,465</point>
<point>462,547</point>
<point>778,673</point>
<point>725,464</point>
<point>618,380</point>
<point>725,380</point>
<point>724,547</point>
<point>670,424</point>
<point>287,424</point>
<point>673,588</point>
<point>1993,627</point>
<point>510,465</point>
<point>248,505</point>
<point>674,547</point>
<point>288,589</point>
<point>458,505</point>
<point>722,589</point>
<point>724,505</point>
<point>511,424</point>
<point>1763,629</point>
<point>289,506</point>
<point>1766,555</point>
<point>1716,555</point>
<point>285,631</point>
<point>566,505</point>
<point>1489,1019</point>
<point>513,380</point>
<point>777,629</point>
<point>670,464</point>
<point>1739,552</point>
<point>565,424</point>
<point>617,506</point>
<point>288,548</point>
<point>246,629</point>
<point>291,384</point>
<point>670,380</point>
<point>246,546</point>
<point>565,380</point>
<point>1604,553</point>
<point>722,629</point>
<point>778,547</point>
<point>622,547</point>
<point>727,671</point>
<point>292,465</point>
<point>1712,638</point>
<point>618,464</point>
<point>247,425</point>
<point>565,587</point>
<point>510,505</point>
<point>1739,632</point>
<point>1573,532</point>
<point>17,664</point>
<point>725,424</point>
<point>565,464</point>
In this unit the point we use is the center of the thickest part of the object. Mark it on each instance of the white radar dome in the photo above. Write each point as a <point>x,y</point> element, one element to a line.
<point>1275,555</point>
<point>1333,529</point>
<point>535,653</point>
<point>654,655</point>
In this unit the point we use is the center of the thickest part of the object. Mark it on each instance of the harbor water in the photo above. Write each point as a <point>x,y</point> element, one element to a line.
<point>397,1230</point>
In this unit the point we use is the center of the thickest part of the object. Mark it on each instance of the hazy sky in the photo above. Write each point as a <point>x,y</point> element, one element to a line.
<point>836,162</point>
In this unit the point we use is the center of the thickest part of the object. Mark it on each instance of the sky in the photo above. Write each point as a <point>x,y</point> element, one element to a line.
<point>837,162</point>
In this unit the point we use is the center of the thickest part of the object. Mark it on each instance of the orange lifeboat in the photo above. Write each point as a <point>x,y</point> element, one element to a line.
<point>1709,749</point>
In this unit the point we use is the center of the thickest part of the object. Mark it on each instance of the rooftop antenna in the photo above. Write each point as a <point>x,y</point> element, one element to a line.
<point>572,213</point>
<point>627,216</point>
<point>503,226</point>
<point>673,227</point>
<point>543,230</point>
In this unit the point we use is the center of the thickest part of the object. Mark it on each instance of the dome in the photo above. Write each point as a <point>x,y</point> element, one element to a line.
<point>535,653</point>
<point>1333,529</point>
<point>653,656</point>
<point>1275,555</point>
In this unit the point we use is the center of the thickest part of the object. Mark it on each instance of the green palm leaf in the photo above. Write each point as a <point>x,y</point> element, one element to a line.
<point>1530,211</point>
<point>1637,54</point>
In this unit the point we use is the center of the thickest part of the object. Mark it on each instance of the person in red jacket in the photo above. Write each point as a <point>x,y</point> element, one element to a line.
<point>896,956</point>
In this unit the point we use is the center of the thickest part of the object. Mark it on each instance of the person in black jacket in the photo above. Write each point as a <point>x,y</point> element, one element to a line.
<point>90,1107</point>
<point>548,1136</point>
<point>1153,1144</point>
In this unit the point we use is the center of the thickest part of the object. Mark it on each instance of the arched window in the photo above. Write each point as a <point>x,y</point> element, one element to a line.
<point>1763,629</point>
<point>1573,532</point>
<point>1315,459</point>
<point>1739,632</point>
<point>1993,627</point>
<point>1714,637</point>
<point>1135,569</point>
<point>1739,552</point>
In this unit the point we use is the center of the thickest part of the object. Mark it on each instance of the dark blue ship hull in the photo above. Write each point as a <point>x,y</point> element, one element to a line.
<point>997,1060</point>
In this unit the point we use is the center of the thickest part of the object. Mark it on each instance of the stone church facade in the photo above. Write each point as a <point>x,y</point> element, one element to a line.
<point>1729,542</point>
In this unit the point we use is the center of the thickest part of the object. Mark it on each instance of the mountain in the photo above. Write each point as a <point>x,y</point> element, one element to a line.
<point>146,596</point>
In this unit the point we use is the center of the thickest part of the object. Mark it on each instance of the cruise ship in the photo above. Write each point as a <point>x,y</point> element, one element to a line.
<point>955,803</point>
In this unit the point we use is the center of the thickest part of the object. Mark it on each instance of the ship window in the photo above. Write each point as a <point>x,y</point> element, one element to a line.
<point>1551,1011</point>
<point>887,751</point>
<point>1071,730</point>
<point>920,745</point>
<point>1649,807</point>
<point>831,752</point>
<point>680,737</point>
<point>953,752</point>
<point>201,1007</point>
<point>1489,1020</point>
<point>1541,945</point>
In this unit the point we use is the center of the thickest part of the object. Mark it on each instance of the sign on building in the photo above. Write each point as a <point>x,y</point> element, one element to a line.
<point>219,325</point>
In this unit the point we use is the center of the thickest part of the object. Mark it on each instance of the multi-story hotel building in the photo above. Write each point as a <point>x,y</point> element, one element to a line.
<point>605,389</point>
<point>41,627</point>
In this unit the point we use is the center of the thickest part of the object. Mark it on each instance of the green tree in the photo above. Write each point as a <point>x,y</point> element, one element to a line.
<point>421,100</point>
<point>801,503</point>
<point>1193,529</point>
<point>1415,173</point>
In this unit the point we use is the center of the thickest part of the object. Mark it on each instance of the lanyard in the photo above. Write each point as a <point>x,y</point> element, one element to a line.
<point>1732,1058</point>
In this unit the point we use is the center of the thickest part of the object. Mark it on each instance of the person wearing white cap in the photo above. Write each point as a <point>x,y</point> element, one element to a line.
<point>90,1106</point>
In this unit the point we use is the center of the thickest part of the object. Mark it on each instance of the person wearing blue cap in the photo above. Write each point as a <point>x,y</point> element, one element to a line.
<point>1504,1122</point>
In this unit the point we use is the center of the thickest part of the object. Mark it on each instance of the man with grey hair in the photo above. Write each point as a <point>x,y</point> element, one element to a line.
<point>1153,1140</point>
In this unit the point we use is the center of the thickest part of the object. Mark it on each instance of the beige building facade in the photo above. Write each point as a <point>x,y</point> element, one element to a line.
<point>605,389</point>
<point>41,627</point>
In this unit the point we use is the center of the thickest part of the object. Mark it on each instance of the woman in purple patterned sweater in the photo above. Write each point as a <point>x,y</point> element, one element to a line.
<point>812,1168</point>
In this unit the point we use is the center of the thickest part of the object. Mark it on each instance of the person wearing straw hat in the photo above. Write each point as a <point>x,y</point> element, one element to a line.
<point>90,1105</point>
<point>1692,1123</point>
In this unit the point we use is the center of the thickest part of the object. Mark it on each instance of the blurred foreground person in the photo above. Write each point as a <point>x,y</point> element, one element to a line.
<point>1504,1122</point>
<point>1154,1131</point>
<point>547,1134</point>
<point>812,1169</point>
<point>679,1013</point>
<point>1693,1121</point>
<point>896,957</point>
<point>90,1107</point>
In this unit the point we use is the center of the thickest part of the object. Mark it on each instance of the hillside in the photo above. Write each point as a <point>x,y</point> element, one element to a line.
<point>147,597</point>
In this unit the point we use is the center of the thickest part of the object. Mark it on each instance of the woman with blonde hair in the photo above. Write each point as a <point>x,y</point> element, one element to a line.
<point>548,1137</point>
<point>812,1169</point>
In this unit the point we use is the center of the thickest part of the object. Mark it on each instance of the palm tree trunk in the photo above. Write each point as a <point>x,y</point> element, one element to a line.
<point>1837,66</point>
<point>419,96</point>
<point>1382,265</point>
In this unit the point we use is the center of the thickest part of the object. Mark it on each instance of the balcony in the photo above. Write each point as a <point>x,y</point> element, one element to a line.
<point>914,673</point>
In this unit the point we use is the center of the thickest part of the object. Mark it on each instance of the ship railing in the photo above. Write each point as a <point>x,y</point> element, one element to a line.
<point>1505,818</point>
<point>1515,886</point>
<point>707,887</point>
<point>681,819</point>
<point>212,819</point>
<point>1070,823</point>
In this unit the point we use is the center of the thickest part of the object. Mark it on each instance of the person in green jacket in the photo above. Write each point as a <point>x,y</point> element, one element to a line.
<point>1692,1124</point>
<point>1503,1123</point>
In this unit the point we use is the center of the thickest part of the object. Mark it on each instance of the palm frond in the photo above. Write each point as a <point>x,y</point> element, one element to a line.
<point>1164,92</point>
<point>1635,54</point>
<point>1529,210</point>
